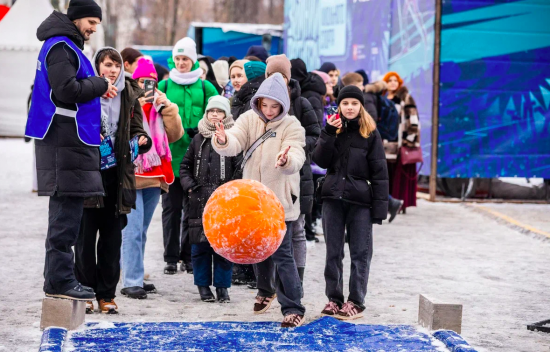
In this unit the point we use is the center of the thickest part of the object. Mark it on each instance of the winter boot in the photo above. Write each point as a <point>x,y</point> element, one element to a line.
<point>187,267</point>
<point>78,293</point>
<point>223,295</point>
<point>89,307</point>
<point>206,294</point>
<point>135,292</point>
<point>393,208</point>
<point>108,306</point>
<point>171,268</point>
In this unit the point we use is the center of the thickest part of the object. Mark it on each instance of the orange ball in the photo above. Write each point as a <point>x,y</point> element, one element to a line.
<point>244,222</point>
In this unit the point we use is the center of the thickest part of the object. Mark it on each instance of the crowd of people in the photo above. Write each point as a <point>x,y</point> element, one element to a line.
<point>115,134</point>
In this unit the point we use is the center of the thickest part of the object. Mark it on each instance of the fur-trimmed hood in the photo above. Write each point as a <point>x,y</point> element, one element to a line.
<point>376,87</point>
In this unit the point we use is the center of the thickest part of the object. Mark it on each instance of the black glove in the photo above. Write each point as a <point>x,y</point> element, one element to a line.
<point>191,132</point>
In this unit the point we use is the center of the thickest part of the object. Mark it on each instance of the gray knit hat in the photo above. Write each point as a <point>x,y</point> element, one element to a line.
<point>218,102</point>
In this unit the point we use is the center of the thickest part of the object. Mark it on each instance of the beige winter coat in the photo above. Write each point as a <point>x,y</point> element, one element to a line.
<point>284,181</point>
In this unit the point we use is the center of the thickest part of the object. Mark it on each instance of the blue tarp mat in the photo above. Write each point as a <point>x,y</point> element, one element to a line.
<point>326,334</point>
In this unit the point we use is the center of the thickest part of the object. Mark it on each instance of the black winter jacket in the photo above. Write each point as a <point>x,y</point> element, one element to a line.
<point>302,109</point>
<point>314,89</point>
<point>202,182</point>
<point>241,99</point>
<point>130,125</point>
<point>66,166</point>
<point>371,105</point>
<point>356,168</point>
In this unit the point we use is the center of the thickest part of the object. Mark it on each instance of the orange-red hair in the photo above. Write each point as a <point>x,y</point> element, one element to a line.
<point>391,74</point>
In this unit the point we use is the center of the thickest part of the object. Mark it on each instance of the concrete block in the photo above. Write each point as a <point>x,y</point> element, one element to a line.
<point>436,315</point>
<point>65,313</point>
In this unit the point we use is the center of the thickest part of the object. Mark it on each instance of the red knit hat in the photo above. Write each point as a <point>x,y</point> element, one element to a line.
<point>146,69</point>
<point>391,74</point>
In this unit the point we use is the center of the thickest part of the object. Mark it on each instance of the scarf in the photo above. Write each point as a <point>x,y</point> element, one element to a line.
<point>110,108</point>
<point>207,128</point>
<point>187,78</point>
<point>154,127</point>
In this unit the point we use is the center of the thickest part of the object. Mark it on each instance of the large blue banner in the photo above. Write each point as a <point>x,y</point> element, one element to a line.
<point>352,34</point>
<point>494,116</point>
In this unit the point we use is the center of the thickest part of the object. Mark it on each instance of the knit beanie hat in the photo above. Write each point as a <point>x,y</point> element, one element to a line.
<point>237,63</point>
<point>185,47</point>
<point>327,67</point>
<point>350,92</point>
<point>298,70</point>
<point>364,75</point>
<point>278,63</point>
<point>82,9</point>
<point>254,69</point>
<point>146,69</point>
<point>258,51</point>
<point>218,102</point>
<point>324,76</point>
<point>221,72</point>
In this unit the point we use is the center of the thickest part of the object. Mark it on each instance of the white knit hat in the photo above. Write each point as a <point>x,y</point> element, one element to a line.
<point>221,72</point>
<point>218,102</point>
<point>185,47</point>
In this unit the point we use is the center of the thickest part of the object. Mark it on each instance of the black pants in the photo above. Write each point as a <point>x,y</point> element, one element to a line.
<point>102,274</point>
<point>175,228</point>
<point>279,273</point>
<point>316,213</point>
<point>340,216</point>
<point>64,218</point>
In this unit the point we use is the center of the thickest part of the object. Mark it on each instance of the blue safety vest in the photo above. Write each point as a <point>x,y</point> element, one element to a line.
<point>87,115</point>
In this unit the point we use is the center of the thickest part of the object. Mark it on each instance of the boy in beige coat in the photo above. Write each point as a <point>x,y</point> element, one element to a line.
<point>275,163</point>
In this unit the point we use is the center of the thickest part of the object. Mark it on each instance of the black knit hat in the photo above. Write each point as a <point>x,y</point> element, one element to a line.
<point>351,92</point>
<point>83,8</point>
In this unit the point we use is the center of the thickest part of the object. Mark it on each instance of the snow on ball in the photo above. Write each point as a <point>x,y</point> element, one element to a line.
<point>244,221</point>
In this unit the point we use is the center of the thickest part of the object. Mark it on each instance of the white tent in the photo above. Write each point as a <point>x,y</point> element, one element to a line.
<point>19,50</point>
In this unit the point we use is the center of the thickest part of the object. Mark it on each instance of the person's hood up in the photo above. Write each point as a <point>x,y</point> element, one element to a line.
<point>210,76</point>
<point>258,51</point>
<point>313,83</point>
<point>119,83</point>
<point>298,70</point>
<point>376,87</point>
<point>295,89</point>
<point>58,24</point>
<point>274,88</point>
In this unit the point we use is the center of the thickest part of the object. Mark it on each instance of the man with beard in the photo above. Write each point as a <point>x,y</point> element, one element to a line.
<point>65,120</point>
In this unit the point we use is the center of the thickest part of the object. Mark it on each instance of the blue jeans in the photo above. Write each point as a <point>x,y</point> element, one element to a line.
<point>202,256</point>
<point>134,236</point>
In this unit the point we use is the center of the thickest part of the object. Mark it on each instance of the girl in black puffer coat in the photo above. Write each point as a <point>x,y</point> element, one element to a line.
<point>355,194</point>
<point>202,171</point>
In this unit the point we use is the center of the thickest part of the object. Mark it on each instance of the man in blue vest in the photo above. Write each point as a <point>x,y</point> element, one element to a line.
<point>65,119</point>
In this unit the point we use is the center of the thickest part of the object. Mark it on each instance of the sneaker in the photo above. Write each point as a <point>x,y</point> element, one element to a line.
<point>171,268</point>
<point>78,293</point>
<point>89,307</point>
<point>350,311</point>
<point>263,303</point>
<point>253,285</point>
<point>394,207</point>
<point>292,321</point>
<point>149,288</point>
<point>206,294</point>
<point>108,306</point>
<point>331,309</point>
<point>223,295</point>
<point>134,292</point>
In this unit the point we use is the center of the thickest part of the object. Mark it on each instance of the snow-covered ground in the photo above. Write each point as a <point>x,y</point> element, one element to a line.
<point>447,251</point>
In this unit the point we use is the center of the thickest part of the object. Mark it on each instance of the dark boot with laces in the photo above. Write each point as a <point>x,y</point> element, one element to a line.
<point>206,294</point>
<point>78,293</point>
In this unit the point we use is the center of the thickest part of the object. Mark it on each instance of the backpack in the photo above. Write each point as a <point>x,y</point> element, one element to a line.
<point>388,118</point>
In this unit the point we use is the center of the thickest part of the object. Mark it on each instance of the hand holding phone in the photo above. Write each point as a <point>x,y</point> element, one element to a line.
<point>149,86</point>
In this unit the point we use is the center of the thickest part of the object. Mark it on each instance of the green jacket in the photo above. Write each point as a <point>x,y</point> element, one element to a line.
<point>191,102</point>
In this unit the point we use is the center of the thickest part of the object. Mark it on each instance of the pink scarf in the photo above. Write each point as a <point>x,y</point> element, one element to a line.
<point>160,148</point>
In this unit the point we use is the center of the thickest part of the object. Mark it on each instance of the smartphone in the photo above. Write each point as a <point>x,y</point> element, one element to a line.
<point>149,86</point>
